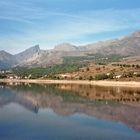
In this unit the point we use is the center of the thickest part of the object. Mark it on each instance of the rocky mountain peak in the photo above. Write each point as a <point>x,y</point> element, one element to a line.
<point>33,49</point>
<point>4,54</point>
<point>7,60</point>
<point>65,47</point>
<point>28,53</point>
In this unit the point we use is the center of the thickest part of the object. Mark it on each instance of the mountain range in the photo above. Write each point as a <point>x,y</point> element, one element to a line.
<point>35,57</point>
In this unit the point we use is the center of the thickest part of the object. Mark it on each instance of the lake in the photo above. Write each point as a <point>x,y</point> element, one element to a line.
<point>68,112</point>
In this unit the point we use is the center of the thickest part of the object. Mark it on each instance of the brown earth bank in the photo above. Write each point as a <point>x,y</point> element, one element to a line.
<point>117,71</point>
<point>131,84</point>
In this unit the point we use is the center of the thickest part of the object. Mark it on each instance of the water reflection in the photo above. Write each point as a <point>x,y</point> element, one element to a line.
<point>105,93</point>
<point>105,103</point>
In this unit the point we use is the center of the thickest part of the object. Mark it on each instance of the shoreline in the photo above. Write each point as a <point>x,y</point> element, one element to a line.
<point>131,84</point>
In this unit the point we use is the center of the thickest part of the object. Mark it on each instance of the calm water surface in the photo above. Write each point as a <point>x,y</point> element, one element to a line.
<point>69,112</point>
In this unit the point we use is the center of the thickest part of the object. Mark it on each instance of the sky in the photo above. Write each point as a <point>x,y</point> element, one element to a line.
<point>25,23</point>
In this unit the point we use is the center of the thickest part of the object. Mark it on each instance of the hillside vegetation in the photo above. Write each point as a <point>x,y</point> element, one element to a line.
<point>49,72</point>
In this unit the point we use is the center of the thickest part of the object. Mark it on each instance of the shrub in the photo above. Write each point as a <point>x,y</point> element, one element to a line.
<point>127,74</point>
<point>101,77</point>
<point>138,75</point>
<point>98,69</point>
<point>137,66</point>
<point>80,78</point>
<point>87,69</point>
<point>111,76</point>
<point>2,76</point>
<point>90,78</point>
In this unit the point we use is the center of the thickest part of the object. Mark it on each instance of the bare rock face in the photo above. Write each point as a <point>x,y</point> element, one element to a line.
<point>6,60</point>
<point>136,34</point>
<point>127,46</point>
<point>65,47</point>
<point>27,54</point>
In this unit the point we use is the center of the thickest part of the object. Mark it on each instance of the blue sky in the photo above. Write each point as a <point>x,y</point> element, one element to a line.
<point>24,23</point>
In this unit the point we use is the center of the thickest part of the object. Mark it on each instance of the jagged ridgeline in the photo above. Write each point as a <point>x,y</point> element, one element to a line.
<point>67,53</point>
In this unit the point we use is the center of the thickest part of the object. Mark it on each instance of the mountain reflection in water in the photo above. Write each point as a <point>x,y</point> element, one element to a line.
<point>107,103</point>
